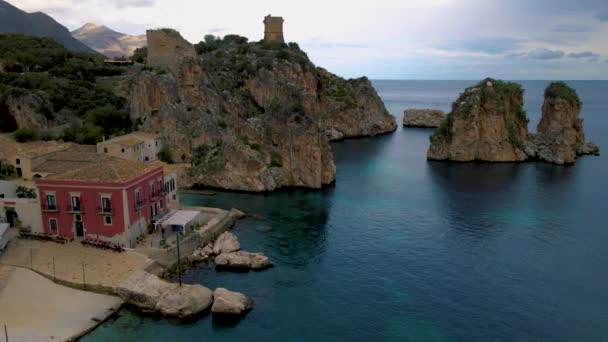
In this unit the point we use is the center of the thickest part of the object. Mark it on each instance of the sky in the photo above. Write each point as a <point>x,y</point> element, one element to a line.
<point>386,39</point>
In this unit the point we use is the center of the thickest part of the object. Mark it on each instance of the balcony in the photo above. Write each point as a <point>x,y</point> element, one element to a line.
<point>50,208</point>
<point>158,194</point>
<point>105,211</point>
<point>74,209</point>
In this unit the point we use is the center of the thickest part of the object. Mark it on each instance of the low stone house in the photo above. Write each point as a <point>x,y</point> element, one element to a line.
<point>138,146</point>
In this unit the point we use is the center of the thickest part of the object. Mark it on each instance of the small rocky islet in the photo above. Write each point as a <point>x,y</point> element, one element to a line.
<point>488,123</point>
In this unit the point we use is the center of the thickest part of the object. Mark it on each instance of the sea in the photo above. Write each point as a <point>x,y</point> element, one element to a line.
<point>403,249</point>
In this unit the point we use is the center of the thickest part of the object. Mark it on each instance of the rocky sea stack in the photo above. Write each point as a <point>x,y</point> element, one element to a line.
<point>250,116</point>
<point>560,136</point>
<point>488,123</point>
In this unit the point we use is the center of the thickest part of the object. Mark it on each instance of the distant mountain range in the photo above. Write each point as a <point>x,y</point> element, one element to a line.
<point>107,41</point>
<point>14,20</point>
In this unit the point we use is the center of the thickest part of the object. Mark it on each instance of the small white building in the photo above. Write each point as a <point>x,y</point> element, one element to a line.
<point>138,146</point>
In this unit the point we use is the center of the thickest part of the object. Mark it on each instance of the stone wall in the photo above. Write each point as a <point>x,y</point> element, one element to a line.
<point>167,50</point>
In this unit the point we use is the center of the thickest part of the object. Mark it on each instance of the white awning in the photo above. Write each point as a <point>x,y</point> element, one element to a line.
<point>178,218</point>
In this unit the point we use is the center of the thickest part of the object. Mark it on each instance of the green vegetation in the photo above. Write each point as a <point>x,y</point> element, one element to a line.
<point>562,91</point>
<point>208,158</point>
<point>165,155</point>
<point>7,171</point>
<point>65,84</point>
<point>513,137</point>
<point>275,159</point>
<point>25,192</point>
<point>24,135</point>
<point>140,55</point>
<point>444,131</point>
<point>523,115</point>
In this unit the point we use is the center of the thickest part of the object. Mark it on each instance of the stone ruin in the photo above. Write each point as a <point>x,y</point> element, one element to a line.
<point>273,29</point>
<point>167,49</point>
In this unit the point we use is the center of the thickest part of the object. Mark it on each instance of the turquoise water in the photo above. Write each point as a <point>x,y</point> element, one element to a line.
<point>402,249</point>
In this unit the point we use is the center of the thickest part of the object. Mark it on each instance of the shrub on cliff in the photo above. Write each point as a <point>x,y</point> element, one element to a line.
<point>165,155</point>
<point>140,55</point>
<point>561,90</point>
<point>24,135</point>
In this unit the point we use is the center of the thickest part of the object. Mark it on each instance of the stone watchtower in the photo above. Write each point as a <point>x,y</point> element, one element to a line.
<point>273,29</point>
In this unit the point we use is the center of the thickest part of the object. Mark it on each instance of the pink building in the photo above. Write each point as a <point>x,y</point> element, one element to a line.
<point>109,199</point>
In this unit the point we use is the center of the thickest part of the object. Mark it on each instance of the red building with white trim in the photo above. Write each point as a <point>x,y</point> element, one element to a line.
<point>108,199</point>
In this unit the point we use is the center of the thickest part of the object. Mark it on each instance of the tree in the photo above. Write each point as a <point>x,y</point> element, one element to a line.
<point>25,192</point>
<point>165,155</point>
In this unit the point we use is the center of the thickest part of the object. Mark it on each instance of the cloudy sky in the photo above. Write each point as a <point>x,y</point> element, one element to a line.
<point>386,39</point>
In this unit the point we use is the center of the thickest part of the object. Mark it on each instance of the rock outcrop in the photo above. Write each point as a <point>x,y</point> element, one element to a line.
<point>560,137</point>
<point>487,123</point>
<point>230,303</point>
<point>253,117</point>
<point>226,243</point>
<point>423,117</point>
<point>21,111</point>
<point>243,260</point>
<point>151,294</point>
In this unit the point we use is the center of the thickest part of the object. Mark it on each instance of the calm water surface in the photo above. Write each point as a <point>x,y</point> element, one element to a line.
<point>402,249</point>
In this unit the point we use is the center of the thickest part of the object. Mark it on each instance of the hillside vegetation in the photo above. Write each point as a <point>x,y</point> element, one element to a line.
<point>59,88</point>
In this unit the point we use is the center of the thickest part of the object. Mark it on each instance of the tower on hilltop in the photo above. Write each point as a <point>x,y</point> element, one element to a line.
<point>273,29</point>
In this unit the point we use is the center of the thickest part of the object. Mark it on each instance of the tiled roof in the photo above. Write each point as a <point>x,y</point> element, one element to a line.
<point>10,148</point>
<point>131,139</point>
<point>105,169</point>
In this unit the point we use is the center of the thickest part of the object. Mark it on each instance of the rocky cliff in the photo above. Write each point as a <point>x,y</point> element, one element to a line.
<point>423,117</point>
<point>487,123</point>
<point>251,116</point>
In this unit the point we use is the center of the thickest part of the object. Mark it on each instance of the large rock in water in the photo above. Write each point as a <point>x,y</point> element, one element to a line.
<point>487,123</point>
<point>226,243</point>
<point>254,117</point>
<point>243,260</point>
<point>423,117</point>
<point>230,303</point>
<point>151,294</point>
<point>560,137</point>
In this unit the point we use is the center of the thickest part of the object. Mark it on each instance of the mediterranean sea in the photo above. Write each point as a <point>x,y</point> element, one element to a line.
<point>402,249</point>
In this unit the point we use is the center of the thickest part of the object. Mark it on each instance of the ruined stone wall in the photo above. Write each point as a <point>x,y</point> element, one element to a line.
<point>167,49</point>
<point>273,29</point>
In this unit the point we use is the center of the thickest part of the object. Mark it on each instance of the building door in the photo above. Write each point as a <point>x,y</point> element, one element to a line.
<point>19,172</point>
<point>11,217</point>
<point>78,225</point>
<point>79,229</point>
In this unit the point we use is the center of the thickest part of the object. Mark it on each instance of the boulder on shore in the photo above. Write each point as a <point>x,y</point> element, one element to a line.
<point>230,303</point>
<point>243,260</point>
<point>423,118</point>
<point>226,243</point>
<point>152,294</point>
<point>184,301</point>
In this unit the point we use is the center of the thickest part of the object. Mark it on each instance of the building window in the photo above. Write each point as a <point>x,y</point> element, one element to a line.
<point>107,220</point>
<point>75,203</point>
<point>51,204</point>
<point>105,203</point>
<point>156,142</point>
<point>160,204</point>
<point>105,150</point>
<point>123,150</point>
<point>77,218</point>
<point>18,161</point>
<point>53,225</point>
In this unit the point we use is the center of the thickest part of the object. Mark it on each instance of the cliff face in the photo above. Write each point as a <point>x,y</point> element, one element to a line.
<point>487,123</point>
<point>423,118</point>
<point>254,117</point>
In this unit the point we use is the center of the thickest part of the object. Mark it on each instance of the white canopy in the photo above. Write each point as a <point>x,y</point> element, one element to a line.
<point>178,218</point>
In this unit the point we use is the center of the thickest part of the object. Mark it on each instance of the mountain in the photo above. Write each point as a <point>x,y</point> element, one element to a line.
<point>14,20</point>
<point>107,41</point>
